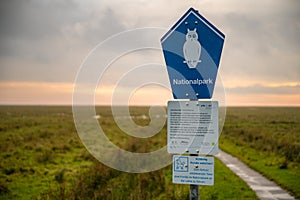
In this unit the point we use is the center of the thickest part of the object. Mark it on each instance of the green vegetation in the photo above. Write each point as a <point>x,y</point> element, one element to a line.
<point>267,139</point>
<point>43,158</point>
<point>39,149</point>
<point>101,182</point>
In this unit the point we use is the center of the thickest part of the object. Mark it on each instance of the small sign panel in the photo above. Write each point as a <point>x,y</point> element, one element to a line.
<point>192,50</point>
<point>193,127</point>
<point>193,170</point>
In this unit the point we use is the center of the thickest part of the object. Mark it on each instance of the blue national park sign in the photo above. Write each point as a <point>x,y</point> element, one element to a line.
<point>192,49</point>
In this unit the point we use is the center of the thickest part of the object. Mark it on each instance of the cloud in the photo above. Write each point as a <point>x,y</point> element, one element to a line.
<point>47,40</point>
<point>262,41</point>
<point>283,89</point>
<point>34,20</point>
<point>38,20</point>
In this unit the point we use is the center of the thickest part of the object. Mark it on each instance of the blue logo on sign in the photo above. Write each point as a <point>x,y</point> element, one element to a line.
<point>192,49</point>
<point>181,164</point>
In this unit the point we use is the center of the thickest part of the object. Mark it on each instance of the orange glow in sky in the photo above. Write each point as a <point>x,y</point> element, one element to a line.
<point>41,93</point>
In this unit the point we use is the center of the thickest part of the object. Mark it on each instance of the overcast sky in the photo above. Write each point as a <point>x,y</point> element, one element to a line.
<point>44,42</point>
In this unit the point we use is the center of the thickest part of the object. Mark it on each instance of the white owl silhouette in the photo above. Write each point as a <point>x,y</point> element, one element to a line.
<point>191,49</point>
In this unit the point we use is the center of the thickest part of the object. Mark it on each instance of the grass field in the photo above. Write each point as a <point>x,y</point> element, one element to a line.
<point>39,148</point>
<point>43,158</point>
<point>267,139</point>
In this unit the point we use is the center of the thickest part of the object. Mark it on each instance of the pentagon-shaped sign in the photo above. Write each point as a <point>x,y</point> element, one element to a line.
<point>192,49</point>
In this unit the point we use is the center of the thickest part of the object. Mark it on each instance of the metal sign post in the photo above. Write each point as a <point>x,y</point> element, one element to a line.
<point>194,189</point>
<point>192,50</point>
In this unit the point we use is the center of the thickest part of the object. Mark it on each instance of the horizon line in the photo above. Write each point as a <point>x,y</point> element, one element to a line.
<point>139,105</point>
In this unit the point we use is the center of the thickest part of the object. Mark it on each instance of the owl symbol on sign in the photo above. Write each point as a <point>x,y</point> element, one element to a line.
<point>192,49</point>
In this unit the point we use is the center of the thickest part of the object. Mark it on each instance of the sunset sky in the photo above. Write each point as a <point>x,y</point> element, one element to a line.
<point>43,43</point>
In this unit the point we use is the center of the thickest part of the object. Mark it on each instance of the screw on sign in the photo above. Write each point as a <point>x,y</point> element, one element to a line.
<point>192,50</point>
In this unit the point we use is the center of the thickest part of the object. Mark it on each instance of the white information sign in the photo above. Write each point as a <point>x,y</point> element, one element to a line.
<point>193,170</point>
<point>193,127</point>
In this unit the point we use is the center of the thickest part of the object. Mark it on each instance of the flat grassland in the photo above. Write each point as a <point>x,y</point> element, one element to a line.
<point>43,158</point>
